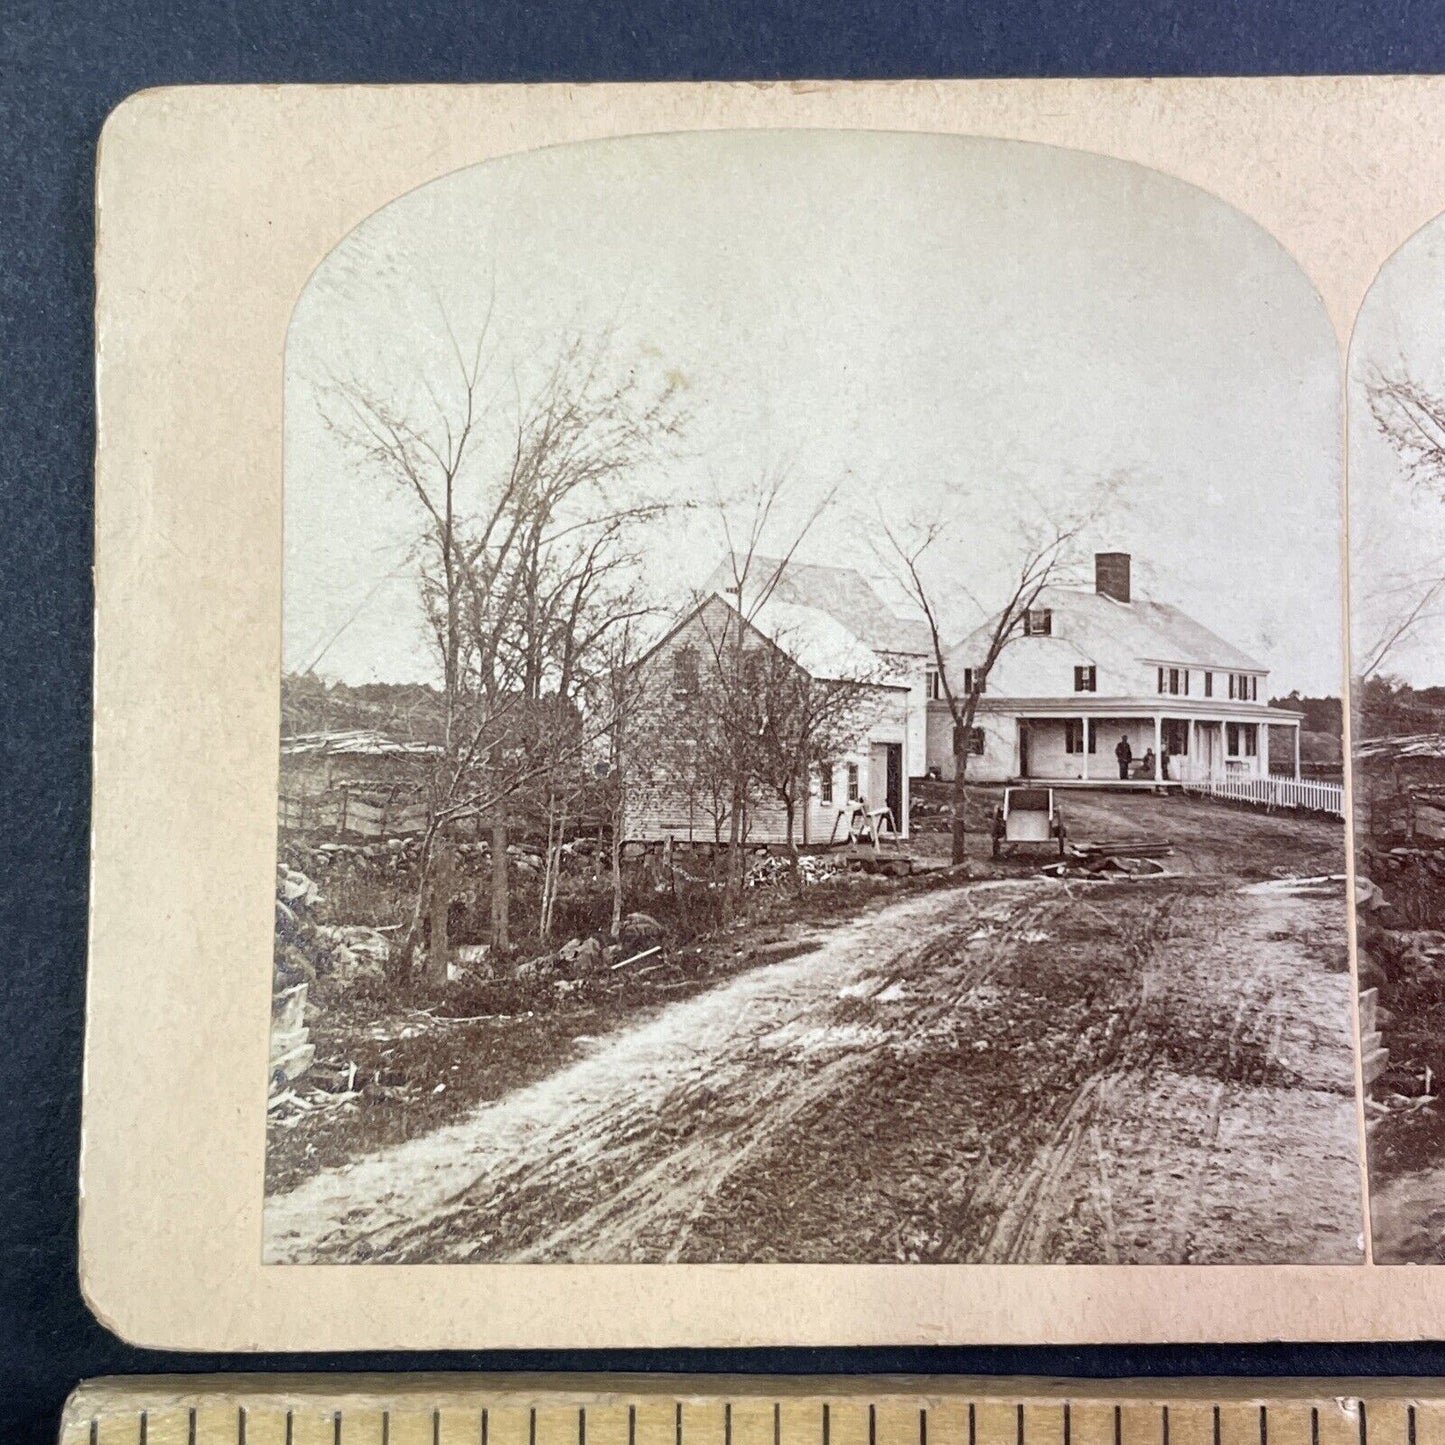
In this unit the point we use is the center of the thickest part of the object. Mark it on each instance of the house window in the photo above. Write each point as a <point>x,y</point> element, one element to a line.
<point>852,782</point>
<point>1086,679</point>
<point>1241,739</point>
<point>1176,737</point>
<point>825,782</point>
<point>1243,687</point>
<point>684,670</point>
<point>1038,622</point>
<point>1075,731</point>
<point>973,682</point>
<point>932,686</point>
<point>975,741</point>
<point>1209,684</point>
<point>1174,681</point>
<point>1254,690</point>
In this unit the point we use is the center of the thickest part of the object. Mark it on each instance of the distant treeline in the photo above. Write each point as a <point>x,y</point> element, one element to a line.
<point>1388,705</point>
<point>1322,714</point>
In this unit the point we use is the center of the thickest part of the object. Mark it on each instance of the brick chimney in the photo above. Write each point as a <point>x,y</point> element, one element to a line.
<point>1111,575</point>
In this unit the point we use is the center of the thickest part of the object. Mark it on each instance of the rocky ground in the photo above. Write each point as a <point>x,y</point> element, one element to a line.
<point>1012,1068</point>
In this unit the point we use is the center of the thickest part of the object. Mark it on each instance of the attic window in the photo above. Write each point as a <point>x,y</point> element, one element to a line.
<point>1038,622</point>
<point>684,670</point>
<point>1086,679</point>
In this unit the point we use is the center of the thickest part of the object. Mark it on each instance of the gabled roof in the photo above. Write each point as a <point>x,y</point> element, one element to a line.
<point>843,593</point>
<point>818,643</point>
<point>1100,628</point>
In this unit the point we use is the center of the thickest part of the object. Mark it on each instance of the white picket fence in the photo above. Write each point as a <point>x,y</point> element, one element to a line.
<point>1307,793</point>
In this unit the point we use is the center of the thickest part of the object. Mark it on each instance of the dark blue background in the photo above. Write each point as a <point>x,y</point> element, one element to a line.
<point>62,67</point>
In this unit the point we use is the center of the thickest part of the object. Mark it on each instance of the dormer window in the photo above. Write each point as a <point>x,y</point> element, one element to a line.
<point>1086,679</point>
<point>1038,622</point>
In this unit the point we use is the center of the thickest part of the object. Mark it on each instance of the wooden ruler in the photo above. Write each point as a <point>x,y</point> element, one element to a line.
<point>721,1410</point>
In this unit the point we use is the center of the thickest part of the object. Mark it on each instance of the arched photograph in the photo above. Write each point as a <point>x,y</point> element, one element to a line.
<point>1397,601</point>
<point>811,717</point>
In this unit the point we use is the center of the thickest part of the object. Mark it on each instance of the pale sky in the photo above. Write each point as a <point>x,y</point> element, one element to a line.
<point>934,326</point>
<point>1397,533</point>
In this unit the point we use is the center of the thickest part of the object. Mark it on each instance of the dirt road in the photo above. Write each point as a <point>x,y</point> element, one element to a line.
<point>1022,1070</point>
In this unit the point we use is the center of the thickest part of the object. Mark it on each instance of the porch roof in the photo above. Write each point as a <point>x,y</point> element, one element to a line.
<point>1203,709</point>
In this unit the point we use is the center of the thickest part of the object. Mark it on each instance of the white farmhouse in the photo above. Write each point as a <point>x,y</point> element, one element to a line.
<point>1092,667</point>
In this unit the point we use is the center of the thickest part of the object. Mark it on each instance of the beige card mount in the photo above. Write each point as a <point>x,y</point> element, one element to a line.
<point>627,512</point>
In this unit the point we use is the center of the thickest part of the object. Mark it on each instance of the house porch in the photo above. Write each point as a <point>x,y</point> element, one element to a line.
<point>1081,748</point>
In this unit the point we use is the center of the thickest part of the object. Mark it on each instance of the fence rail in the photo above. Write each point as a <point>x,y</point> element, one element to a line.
<point>1306,793</point>
<point>344,813</point>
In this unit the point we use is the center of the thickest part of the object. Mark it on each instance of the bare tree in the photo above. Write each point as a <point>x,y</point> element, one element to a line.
<point>523,513</point>
<point>1046,553</point>
<point>754,581</point>
<point>1412,421</point>
<point>799,721</point>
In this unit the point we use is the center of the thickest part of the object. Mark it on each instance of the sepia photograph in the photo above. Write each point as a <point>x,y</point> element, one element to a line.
<point>1397,602</point>
<point>811,720</point>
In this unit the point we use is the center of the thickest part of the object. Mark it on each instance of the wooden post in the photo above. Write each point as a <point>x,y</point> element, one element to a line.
<point>1158,746</point>
<point>1296,752</point>
<point>439,955</point>
<point>501,898</point>
<point>1088,739</point>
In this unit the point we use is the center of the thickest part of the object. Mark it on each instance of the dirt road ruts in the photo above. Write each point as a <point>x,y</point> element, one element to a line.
<point>1013,1071</point>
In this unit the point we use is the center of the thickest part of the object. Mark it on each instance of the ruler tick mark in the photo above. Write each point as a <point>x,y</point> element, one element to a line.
<point>972,1425</point>
<point>728,1424</point>
<point>1410,1424</point>
<point>1118,1426</point>
<point>436,1427</point>
<point>632,1425</point>
<point>1314,1425</point>
<point>922,1424</point>
<point>1263,1425</point>
<point>532,1426</point>
<point>777,1422</point>
<point>581,1425</point>
<point>677,1422</point>
<point>1019,1425</point>
<point>1363,1430</point>
<point>241,1427</point>
<point>1068,1424</point>
<point>826,1424</point>
<point>1164,1424</point>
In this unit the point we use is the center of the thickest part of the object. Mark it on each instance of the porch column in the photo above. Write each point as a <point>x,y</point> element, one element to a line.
<point>1193,747</point>
<point>1158,746</point>
<point>1296,752</point>
<point>1088,739</point>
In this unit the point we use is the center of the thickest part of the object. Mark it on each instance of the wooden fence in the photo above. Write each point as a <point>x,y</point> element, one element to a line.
<point>343,813</point>
<point>1309,794</point>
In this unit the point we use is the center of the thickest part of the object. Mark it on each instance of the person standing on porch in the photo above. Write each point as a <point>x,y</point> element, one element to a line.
<point>1125,755</point>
